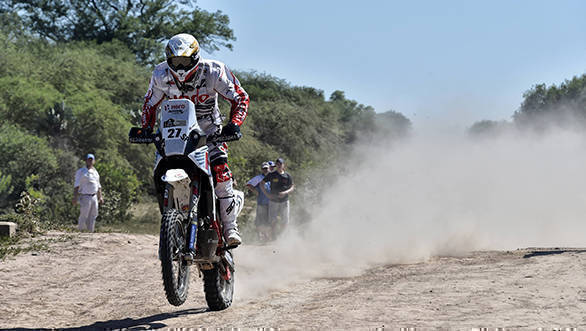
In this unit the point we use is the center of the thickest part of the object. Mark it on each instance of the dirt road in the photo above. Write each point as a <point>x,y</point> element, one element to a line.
<point>113,281</point>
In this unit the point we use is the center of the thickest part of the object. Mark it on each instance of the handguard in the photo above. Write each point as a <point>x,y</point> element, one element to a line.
<point>141,136</point>
<point>222,138</point>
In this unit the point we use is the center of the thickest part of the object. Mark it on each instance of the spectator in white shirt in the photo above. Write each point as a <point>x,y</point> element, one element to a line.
<point>88,192</point>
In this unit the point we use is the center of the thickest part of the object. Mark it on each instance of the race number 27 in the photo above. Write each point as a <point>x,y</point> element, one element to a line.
<point>174,133</point>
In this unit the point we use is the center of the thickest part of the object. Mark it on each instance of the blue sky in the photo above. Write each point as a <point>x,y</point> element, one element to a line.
<point>441,62</point>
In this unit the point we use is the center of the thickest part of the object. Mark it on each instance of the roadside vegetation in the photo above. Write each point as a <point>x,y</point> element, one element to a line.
<point>543,108</point>
<point>72,80</point>
<point>74,86</point>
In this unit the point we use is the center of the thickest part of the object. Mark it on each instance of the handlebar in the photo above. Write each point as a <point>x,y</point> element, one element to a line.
<point>146,136</point>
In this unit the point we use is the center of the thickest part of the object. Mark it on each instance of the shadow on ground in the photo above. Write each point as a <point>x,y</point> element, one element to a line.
<point>145,323</point>
<point>553,252</point>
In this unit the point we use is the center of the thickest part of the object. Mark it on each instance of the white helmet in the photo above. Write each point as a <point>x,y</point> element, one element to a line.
<point>182,53</point>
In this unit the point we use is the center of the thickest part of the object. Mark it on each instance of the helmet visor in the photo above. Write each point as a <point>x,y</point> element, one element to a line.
<point>182,62</point>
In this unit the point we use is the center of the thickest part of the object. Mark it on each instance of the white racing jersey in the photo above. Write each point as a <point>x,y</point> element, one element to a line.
<point>210,79</point>
<point>88,180</point>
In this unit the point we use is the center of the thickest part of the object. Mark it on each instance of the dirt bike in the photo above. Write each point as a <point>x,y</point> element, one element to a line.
<point>189,206</point>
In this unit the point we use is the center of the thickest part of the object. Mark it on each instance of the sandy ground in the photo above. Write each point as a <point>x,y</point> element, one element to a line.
<point>113,281</point>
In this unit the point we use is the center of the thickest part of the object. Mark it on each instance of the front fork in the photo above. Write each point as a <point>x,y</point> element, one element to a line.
<point>192,230</point>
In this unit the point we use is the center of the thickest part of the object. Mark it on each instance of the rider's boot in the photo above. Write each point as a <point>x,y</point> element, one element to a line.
<point>228,213</point>
<point>231,234</point>
<point>232,237</point>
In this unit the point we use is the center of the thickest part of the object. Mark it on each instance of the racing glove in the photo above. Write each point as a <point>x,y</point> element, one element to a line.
<point>231,130</point>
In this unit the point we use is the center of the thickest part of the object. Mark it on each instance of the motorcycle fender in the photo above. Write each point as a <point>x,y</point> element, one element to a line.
<point>179,179</point>
<point>174,175</point>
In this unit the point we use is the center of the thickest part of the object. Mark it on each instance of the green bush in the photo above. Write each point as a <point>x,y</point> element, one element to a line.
<point>5,187</point>
<point>119,189</point>
<point>26,215</point>
<point>22,155</point>
<point>23,101</point>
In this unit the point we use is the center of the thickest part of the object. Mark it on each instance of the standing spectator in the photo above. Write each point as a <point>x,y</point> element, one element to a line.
<point>88,191</point>
<point>281,185</point>
<point>262,202</point>
<point>271,166</point>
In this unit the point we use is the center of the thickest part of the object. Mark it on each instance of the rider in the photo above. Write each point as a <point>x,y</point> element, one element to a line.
<point>186,75</point>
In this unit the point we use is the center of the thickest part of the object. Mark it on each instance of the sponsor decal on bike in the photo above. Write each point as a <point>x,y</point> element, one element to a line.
<point>173,133</point>
<point>175,109</point>
<point>173,122</point>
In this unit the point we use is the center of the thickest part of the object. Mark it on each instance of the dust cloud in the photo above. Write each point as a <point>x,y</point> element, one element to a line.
<point>433,195</point>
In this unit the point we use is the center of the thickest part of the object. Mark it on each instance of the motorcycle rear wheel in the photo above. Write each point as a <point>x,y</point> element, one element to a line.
<point>174,269</point>
<point>218,290</point>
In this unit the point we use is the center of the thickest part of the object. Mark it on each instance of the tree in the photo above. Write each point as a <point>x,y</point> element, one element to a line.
<point>563,105</point>
<point>141,25</point>
<point>392,125</point>
<point>486,128</point>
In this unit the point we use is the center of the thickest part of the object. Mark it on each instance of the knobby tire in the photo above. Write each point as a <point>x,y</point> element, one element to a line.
<point>218,291</point>
<point>171,244</point>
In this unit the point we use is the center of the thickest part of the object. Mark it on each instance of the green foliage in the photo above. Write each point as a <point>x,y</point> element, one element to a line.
<point>23,155</point>
<point>488,128</point>
<point>59,208</point>
<point>119,188</point>
<point>27,215</point>
<point>67,98</point>
<point>59,101</point>
<point>23,101</point>
<point>297,123</point>
<point>543,108</point>
<point>109,211</point>
<point>141,26</point>
<point>391,125</point>
<point>5,187</point>
<point>563,105</point>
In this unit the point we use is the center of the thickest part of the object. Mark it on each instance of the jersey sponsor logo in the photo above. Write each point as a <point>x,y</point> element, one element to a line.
<point>194,98</point>
<point>202,98</point>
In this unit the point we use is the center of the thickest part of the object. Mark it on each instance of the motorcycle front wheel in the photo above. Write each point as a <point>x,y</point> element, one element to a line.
<point>175,270</point>
<point>219,291</point>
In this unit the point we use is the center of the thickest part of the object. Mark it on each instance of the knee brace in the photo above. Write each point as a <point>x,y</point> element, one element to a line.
<point>221,171</point>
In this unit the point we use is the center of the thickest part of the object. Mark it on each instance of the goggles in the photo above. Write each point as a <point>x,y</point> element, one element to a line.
<point>182,62</point>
